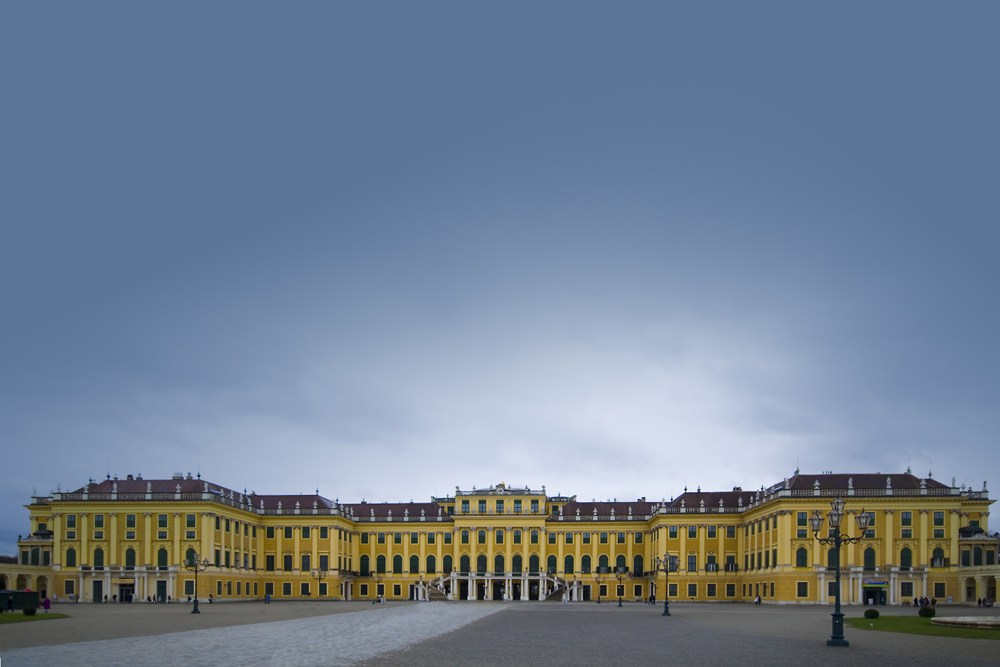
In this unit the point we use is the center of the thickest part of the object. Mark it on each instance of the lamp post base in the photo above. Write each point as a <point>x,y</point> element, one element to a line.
<point>195,610</point>
<point>837,638</point>
<point>835,641</point>
<point>666,608</point>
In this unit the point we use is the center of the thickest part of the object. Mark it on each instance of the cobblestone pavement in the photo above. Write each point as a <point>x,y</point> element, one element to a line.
<point>462,634</point>
<point>330,640</point>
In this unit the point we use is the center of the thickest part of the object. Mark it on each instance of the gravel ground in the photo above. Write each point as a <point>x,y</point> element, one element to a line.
<point>331,640</point>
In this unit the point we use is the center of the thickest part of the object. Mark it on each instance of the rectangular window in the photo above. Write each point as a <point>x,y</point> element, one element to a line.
<point>286,588</point>
<point>692,532</point>
<point>322,588</point>
<point>906,518</point>
<point>130,521</point>
<point>364,590</point>
<point>397,538</point>
<point>802,533</point>
<point>364,538</point>
<point>129,535</point>
<point>638,537</point>
<point>730,590</point>
<point>304,589</point>
<point>672,590</point>
<point>253,562</point>
<point>569,538</point>
<point>71,520</point>
<point>831,589</point>
<point>586,538</point>
<point>218,523</point>
<point>974,523</point>
<point>306,563</point>
<point>381,538</point>
<point>465,507</point>
<point>397,590</point>
<point>940,590</point>
<point>637,591</point>
<point>414,538</point>
<point>604,538</point>
<point>692,590</point>
<point>218,558</point>
<point>552,538</point>
<point>772,589</point>
<point>98,521</point>
<point>603,592</point>
<point>465,536</point>
<point>253,531</point>
<point>161,534</point>
<point>288,532</point>
<point>430,538</point>
<point>869,534</point>
<point>269,534</point>
<point>517,537</point>
<point>802,589</point>
<point>939,533</point>
<point>239,587</point>
<point>711,532</point>
<point>672,532</point>
<point>227,524</point>
<point>730,532</point>
<point>906,589</point>
<point>498,536</point>
<point>938,520</point>
<point>499,507</point>
<point>692,563</point>
<point>324,562</point>
<point>621,537</point>
<point>906,534</point>
<point>287,564</point>
<point>228,556</point>
<point>305,533</point>
<point>236,529</point>
<point>190,535</point>
<point>534,507</point>
<point>801,519</point>
<point>482,507</point>
<point>710,592</point>
<point>447,538</point>
<point>534,537</point>
<point>324,532</point>
<point>98,534</point>
<point>517,507</point>
<point>269,589</point>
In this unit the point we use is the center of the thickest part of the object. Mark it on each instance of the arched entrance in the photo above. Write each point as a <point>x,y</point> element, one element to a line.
<point>22,582</point>
<point>42,586</point>
<point>970,590</point>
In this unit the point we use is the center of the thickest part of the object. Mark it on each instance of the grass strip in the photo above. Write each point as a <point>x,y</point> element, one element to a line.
<point>915,625</point>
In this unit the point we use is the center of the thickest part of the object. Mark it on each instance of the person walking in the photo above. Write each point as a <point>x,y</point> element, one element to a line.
<point>46,604</point>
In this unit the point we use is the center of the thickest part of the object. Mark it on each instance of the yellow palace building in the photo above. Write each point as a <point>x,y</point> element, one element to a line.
<point>135,538</point>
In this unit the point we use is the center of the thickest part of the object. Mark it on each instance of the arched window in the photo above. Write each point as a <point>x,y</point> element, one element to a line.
<point>397,564</point>
<point>431,564</point>
<point>414,564</point>
<point>380,564</point>
<point>516,564</point>
<point>638,565</point>
<point>620,563</point>
<point>447,564</point>
<point>365,565</point>
<point>801,557</point>
<point>498,564</point>
<point>869,559</point>
<point>905,559</point>
<point>602,564</point>
<point>533,565</point>
<point>937,557</point>
<point>585,565</point>
<point>190,558</point>
<point>481,564</point>
<point>977,556</point>
<point>832,559</point>
<point>71,557</point>
<point>464,564</point>
<point>551,563</point>
<point>568,564</point>
<point>98,557</point>
<point>161,559</point>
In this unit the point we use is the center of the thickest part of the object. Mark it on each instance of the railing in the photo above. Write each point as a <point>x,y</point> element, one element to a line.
<point>732,567</point>
<point>711,567</point>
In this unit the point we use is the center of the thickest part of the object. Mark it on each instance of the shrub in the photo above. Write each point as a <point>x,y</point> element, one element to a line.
<point>871,613</point>
<point>28,611</point>
<point>927,612</point>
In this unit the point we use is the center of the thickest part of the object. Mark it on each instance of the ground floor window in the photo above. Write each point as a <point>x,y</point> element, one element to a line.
<point>189,587</point>
<point>239,588</point>
<point>322,588</point>
<point>802,589</point>
<point>638,590</point>
<point>744,590</point>
<point>692,590</point>
<point>831,589</point>
<point>940,590</point>
<point>906,589</point>
<point>229,588</point>
<point>772,589</point>
<point>397,590</point>
<point>218,587</point>
<point>603,591</point>
<point>286,588</point>
<point>364,590</point>
<point>672,590</point>
<point>68,587</point>
<point>730,590</point>
<point>621,591</point>
<point>711,591</point>
<point>255,589</point>
<point>381,590</point>
<point>304,589</point>
<point>269,589</point>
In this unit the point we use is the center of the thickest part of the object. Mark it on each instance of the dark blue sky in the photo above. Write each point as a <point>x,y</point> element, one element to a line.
<point>384,250</point>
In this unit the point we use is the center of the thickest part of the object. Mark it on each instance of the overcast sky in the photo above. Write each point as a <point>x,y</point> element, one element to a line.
<point>384,249</point>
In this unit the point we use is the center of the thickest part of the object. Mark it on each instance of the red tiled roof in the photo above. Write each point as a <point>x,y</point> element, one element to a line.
<point>604,509</point>
<point>862,481</point>
<point>397,509</point>
<point>712,498</point>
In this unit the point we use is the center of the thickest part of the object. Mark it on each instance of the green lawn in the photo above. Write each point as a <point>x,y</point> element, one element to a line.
<point>17,617</point>
<point>915,625</point>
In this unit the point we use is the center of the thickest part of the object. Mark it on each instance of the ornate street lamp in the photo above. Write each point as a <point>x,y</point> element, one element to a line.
<point>835,517</point>
<point>664,564</point>
<point>621,570</point>
<point>319,576</point>
<point>196,566</point>
<point>599,580</point>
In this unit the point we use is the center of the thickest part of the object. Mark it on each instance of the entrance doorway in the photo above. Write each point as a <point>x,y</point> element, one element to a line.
<point>498,590</point>
<point>480,590</point>
<point>463,590</point>
<point>874,596</point>
<point>533,590</point>
<point>516,593</point>
<point>126,592</point>
<point>98,590</point>
<point>161,591</point>
<point>586,592</point>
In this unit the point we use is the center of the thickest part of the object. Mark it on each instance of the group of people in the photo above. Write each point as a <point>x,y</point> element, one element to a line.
<point>651,599</point>
<point>985,602</point>
<point>379,599</point>
<point>925,602</point>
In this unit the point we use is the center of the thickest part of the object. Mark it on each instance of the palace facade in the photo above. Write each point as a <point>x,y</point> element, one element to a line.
<point>135,538</point>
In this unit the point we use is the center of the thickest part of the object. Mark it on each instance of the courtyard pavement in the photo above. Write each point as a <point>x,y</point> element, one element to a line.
<point>478,633</point>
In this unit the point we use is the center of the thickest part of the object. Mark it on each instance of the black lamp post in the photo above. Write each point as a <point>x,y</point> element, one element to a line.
<point>835,517</point>
<point>599,580</point>
<point>664,565</point>
<point>196,566</point>
<point>621,570</point>
<point>319,576</point>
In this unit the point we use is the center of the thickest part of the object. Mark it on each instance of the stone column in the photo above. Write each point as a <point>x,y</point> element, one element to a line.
<point>297,546</point>
<point>83,531</point>
<point>923,555</point>
<point>177,539</point>
<point>56,542</point>
<point>889,557</point>
<point>147,537</point>
<point>113,548</point>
